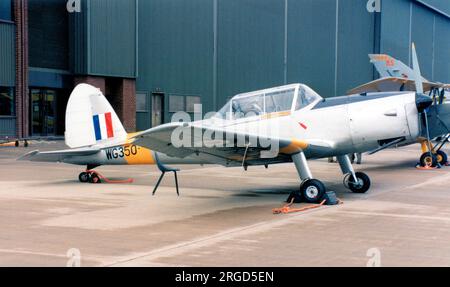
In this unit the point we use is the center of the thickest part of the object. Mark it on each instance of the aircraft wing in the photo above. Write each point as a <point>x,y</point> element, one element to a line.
<point>57,156</point>
<point>393,84</point>
<point>231,149</point>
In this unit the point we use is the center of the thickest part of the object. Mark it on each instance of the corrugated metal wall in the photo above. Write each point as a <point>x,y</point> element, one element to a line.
<point>441,5</point>
<point>441,64</point>
<point>104,38</point>
<point>176,48</point>
<point>112,38</point>
<point>78,41</point>
<point>48,45</point>
<point>259,44</point>
<point>7,55</point>
<point>404,22</point>
<point>356,38</point>
<point>314,57</point>
<point>311,55</point>
<point>251,43</point>
<point>7,72</point>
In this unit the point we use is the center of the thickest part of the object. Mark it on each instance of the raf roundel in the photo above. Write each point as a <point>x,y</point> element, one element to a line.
<point>103,126</point>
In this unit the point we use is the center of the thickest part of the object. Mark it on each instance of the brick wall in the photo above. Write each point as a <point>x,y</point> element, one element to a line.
<point>128,98</point>
<point>121,93</point>
<point>98,82</point>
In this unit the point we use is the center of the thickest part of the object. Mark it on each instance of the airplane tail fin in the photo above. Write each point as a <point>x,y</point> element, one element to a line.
<point>390,67</point>
<point>91,120</point>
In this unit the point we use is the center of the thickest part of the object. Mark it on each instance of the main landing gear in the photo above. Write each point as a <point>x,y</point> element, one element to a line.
<point>89,175</point>
<point>434,156</point>
<point>313,190</point>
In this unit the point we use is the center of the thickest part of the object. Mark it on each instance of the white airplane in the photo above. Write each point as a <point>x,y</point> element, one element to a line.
<point>284,124</point>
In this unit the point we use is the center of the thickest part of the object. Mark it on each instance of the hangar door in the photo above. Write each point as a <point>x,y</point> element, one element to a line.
<point>149,110</point>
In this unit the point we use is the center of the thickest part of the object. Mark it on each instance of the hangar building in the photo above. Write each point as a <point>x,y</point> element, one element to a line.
<point>154,57</point>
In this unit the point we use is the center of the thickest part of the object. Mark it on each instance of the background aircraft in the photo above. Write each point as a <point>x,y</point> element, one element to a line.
<point>396,76</point>
<point>389,67</point>
<point>306,127</point>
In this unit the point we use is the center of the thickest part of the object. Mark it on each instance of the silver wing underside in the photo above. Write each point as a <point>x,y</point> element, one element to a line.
<point>228,152</point>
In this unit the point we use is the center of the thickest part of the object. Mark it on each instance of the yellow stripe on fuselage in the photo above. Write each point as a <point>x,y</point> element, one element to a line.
<point>294,147</point>
<point>142,156</point>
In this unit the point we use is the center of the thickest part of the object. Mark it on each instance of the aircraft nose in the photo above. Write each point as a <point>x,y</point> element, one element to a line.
<point>423,102</point>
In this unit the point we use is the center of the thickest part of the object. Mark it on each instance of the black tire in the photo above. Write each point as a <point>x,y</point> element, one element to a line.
<point>83,177</point>
<point>441,157</point>
<point>312,190</point>
<point>428,159</point>
<point>363,183</point>
<point>94,178</point>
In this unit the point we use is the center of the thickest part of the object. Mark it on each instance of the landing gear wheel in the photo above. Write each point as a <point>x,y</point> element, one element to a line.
<point>83,177</point>
<point>312,190</point>
<point>94,178</point>
<point>362,185</point>
<point>428,160</point>
<point>441,157</point>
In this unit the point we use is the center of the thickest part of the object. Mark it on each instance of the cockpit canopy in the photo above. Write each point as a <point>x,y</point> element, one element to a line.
<point>281,99</point>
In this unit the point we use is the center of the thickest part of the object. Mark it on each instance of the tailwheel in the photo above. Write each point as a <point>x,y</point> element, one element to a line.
<point>441,157</point>
<point>83,177</point>
<point>362,183</point>
<point>94,178</point>
<point>428,160</point>
<point>312,190</point>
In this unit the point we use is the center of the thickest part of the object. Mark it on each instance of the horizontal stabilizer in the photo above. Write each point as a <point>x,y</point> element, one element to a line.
<point>57,156</point>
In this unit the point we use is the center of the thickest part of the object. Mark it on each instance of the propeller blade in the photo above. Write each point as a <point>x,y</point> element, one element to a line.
<point>423,102</point>
<point>416,70</point>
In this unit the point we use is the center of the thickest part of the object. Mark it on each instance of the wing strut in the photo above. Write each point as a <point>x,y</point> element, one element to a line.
<point>244,164</point>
